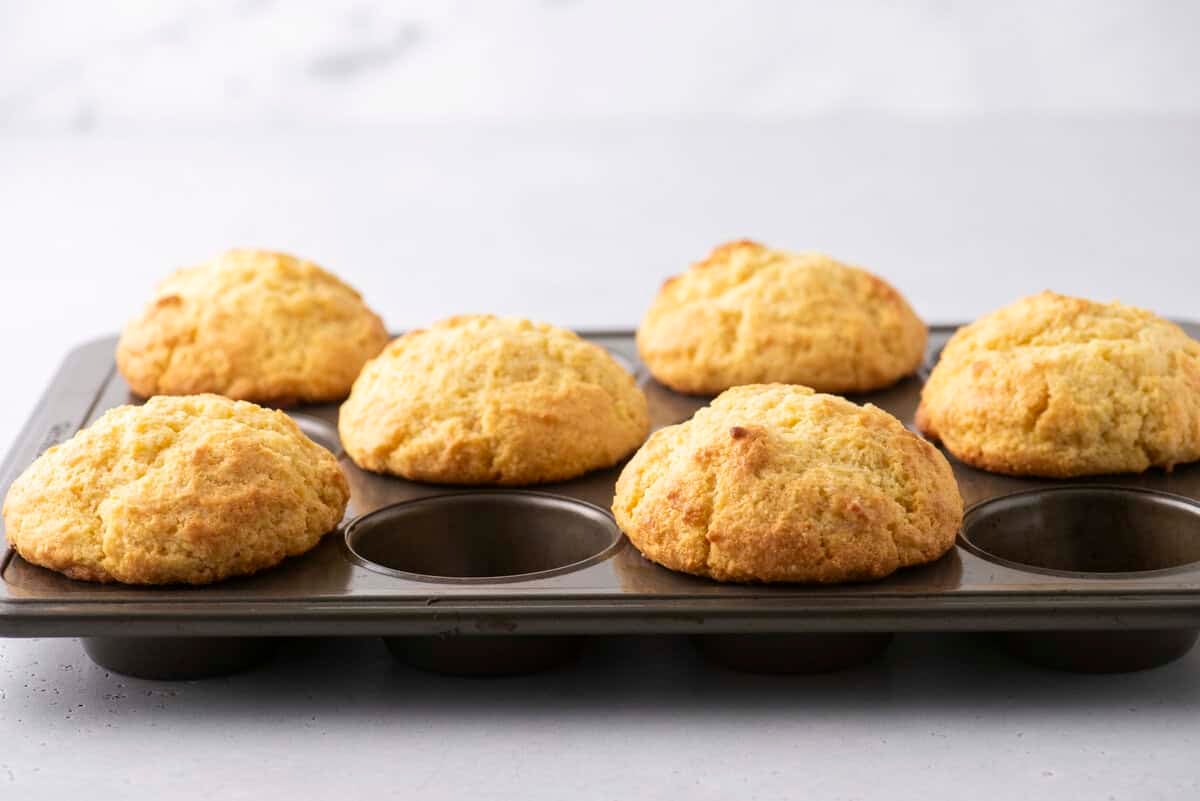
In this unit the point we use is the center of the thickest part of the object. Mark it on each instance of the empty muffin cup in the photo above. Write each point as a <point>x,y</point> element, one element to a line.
<point>483,537</point>
<point>817,652</point>
<point>1098,532</point>
<point>1086,531</point>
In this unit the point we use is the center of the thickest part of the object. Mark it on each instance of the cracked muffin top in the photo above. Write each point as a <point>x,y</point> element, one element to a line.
<point>478,399</point>
<point>751,314</point>
<point>251,325</point>
<point>1058,386</point>
<point>181,490</point>
<point>775,482</point>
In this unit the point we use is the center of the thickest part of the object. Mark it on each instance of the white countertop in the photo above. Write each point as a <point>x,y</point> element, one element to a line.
<point>940,717</point>
<point>577,223</point>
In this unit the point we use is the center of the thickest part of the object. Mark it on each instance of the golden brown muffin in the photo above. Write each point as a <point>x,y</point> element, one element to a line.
<point>184,490</point>
<point>1058,386</point>
<point>478,399</point>
<point>749,314</point>
<point>252,325</point>
<point>774,482</point>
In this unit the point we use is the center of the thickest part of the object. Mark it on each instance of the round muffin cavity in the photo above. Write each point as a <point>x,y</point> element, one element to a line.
<point>478,399</point>
<point>184,490</point>
<point>778,483</point>
<point>251,325</point>
<point>750,314</point>
<point>1058,386</point>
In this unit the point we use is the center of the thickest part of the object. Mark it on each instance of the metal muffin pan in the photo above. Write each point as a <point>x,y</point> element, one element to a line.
<point>1095,574</point>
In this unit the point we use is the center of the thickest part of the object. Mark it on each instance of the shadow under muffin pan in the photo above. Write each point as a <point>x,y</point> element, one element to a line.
<point>1090,575</point>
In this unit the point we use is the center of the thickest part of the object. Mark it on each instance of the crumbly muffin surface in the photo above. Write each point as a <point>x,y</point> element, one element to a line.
<point>478,399</point>
<point>750,314</point>
<point>185,490</point>
<point>1059,386</point>
<point>778,483</point>
<point>251,325</point>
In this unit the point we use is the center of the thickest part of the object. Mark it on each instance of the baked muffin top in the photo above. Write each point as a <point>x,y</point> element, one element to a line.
<point>478,399</point>
<point>776,483</point>
<point>186,489</point>
<point>251,325</point>
<point>1059,386</point>
<point>752,314</point>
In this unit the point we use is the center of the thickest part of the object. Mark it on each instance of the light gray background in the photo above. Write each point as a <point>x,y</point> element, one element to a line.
<point>558,160</point>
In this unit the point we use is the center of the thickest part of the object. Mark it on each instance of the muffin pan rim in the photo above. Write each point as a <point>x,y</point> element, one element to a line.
<point>1145,602</point>
<point>327,436</point>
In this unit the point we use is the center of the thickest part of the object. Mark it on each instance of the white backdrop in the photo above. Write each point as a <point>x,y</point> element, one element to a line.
<point>76,65</point>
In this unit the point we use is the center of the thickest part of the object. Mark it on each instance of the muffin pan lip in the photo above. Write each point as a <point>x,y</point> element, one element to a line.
<point>620,594</point>
<point>348,531</point>
<point>630,365</point>
<point>933,354</point>
<point>327,435</point>
<point>964,541</point>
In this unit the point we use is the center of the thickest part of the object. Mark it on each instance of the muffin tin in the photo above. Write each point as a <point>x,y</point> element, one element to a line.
<point>1094,575</point>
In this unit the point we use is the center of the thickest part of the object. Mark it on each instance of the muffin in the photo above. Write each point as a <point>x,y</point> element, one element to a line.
<point>251,325</point>
<point>186,490</point>
<point>749,314</point>
<point>1057,386</point>
<point>776,482</point>
<point>478,399</point>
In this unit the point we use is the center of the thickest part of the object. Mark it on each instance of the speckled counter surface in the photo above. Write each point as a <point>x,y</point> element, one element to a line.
<point>938,717</point>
